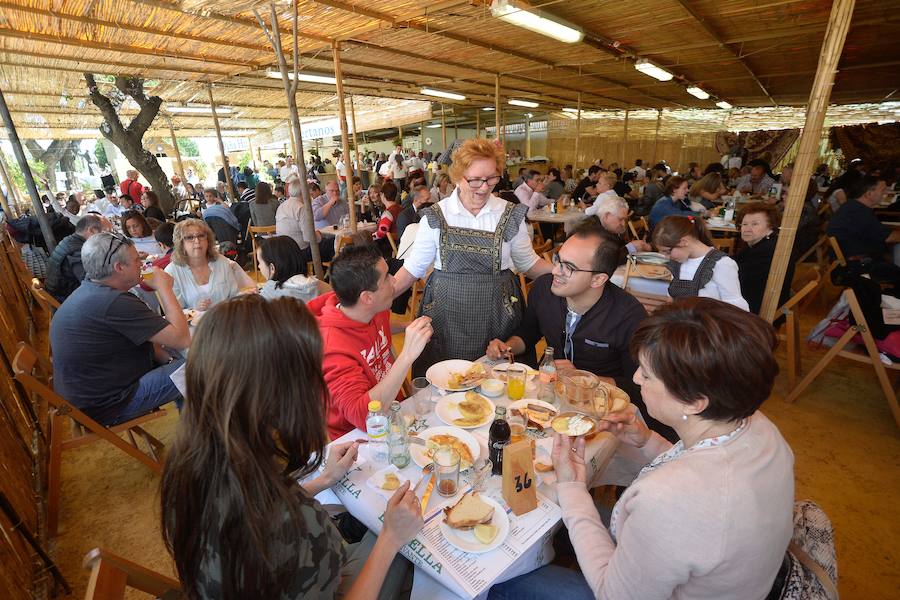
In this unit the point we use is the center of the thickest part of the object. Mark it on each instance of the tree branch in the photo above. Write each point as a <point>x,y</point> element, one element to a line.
<point>114,130</point>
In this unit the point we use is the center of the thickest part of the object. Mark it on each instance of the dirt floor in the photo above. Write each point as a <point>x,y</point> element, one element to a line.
<point>845,442</point>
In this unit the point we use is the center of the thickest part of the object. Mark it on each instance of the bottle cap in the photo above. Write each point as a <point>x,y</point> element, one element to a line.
<point>374,406</point>
<point>501,411</point>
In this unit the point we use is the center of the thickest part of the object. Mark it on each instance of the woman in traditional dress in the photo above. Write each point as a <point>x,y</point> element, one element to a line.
<point>475,241</point>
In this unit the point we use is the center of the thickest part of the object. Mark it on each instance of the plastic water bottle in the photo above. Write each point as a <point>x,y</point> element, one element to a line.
<point>377,431</point>
<point>547,376</point>
<point>398,438</point>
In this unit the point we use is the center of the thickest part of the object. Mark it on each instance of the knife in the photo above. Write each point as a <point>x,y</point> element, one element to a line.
<point>427,495</point>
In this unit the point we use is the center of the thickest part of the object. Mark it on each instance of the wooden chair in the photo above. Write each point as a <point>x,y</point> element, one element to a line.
<point>253,232</point>
<point>538,238</point>
<point>638,228</point>
<point>650,302</point>
<point>111,575</point>
<point>791,312</point>
<point>869,355</point>
<point>27,366</point>
<point>390,239</point>
<point>545,246</point>
<point>43,298</point>
<point>725,244</point>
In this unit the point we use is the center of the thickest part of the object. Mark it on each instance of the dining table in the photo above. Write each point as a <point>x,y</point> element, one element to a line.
<point>336,231</point>
<point>443,571</point>
<point>568,217</point>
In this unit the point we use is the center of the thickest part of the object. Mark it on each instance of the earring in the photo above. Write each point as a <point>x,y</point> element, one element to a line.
<point>683,417</point>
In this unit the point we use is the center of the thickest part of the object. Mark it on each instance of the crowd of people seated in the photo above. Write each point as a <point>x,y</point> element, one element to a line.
<point>697,370</point>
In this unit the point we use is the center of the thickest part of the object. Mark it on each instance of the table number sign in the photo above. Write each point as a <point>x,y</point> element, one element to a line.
<point>519,484</point>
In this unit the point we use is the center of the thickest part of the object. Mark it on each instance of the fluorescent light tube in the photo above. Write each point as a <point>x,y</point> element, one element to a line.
<point>723,104</point>
<point>307,77</point>
<point>488,108</point>
<point>648,68</point>
<point>697,92</point>
<point>525,103</point>
<point>532,21</point>
<point>441,94</point>
<point>433,126</point>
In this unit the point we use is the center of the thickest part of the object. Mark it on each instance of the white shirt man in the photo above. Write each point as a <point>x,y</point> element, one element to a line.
<point>531,191</point>
<point>288,169</point>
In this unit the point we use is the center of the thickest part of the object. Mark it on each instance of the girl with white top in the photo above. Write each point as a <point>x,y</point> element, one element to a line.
<point>398,171</point>
<point>697,268</point>
<point>203,277</point>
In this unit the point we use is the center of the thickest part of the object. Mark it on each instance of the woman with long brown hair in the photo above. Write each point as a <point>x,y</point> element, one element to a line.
<point>263,206</point>
<point>234,518</point>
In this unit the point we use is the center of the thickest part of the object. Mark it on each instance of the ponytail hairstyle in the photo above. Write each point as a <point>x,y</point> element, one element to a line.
<point>674,227</point>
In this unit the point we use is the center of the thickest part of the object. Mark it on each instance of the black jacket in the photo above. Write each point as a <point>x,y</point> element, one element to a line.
<point>754,263</point>
<point>65,270</point>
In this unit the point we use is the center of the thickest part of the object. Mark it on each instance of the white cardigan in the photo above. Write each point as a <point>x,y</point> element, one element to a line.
<point>226,279</point>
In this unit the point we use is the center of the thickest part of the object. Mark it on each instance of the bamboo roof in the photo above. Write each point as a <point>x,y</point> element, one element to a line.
<point>751,53</point>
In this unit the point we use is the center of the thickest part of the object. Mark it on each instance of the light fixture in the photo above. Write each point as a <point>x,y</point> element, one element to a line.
<point>199,110</point>
<point>723,104</point>
<point>570,110</point>
<point>508,11</point>
<point>697,92</point>
<point>307,77</point>
<point>648,68</point>
<point>488,108</point>
<point>433,126</point>
<point>441,94</point>
<point>525,103</point>
<point>83,131</point>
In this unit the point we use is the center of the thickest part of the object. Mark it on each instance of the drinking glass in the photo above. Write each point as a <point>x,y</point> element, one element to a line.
<point>446,469</point>
<point>515,382</point>
<point>421,392</point>
<point>345,222</point>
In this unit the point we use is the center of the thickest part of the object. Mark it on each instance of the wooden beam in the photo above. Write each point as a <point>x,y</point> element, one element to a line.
<point>807,154</point>
<point>355,143</point>
<point>656,136</point>
<point>443,129</point>
<point>497,106</point>
<point>577,136</point>
<point>477,122</point>
<point>225,166</point>
<point>624,142</point>
<point>711,31</point>
<point>177,151</point>
<point>345,142</point>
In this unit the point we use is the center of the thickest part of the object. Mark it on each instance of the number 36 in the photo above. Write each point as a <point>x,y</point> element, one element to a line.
<point>520,485</point>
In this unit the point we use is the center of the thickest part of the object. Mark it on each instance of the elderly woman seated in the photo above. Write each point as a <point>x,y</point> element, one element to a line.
<point>202,276</point>
<point>709,517</point>
<point>135,226</point>
<point>758,223</point>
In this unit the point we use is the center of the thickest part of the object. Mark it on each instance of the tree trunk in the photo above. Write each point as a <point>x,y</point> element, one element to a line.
<point>129,140</point>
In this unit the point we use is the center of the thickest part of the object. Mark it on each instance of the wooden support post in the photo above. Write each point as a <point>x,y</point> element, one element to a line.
<point>832,45</point>
<point>477,122</point>
<point>400,132</point>
<point>656,137</point>
<point>527,135</point>
<point>13,136</point>
<point>225,166</point>
<point>177,153</point>
<point>624,143</point>
<point>455,126</point>
<point>355,143</point>
<point>497,109</point>
<point>577,136</point>
<point>345,139</point>
<point>422,135</point>
<point>250,149</point>
<point>443,129</point>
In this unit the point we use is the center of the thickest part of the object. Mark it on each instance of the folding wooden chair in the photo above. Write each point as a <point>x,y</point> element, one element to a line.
<point>43,298</point>
<point>27,366</point>
<point>543,247</point>
<point>111,575</point>
<point>638,228</point>
<point>725,244</point>
<point>650,302</point>
<point>254,232</point>
<point>538,238</point>
<point>390,239</point>
<point>870,356</point>
<point>791,312</point>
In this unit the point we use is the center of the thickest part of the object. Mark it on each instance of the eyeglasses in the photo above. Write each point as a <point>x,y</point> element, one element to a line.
<point>568,269</point>
<point>478,182</point>
<point>116,242</point>
<point>194,237</point>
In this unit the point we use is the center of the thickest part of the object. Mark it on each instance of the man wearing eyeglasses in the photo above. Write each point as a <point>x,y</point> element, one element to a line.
<point>588,322</point>
<point>109,348</point>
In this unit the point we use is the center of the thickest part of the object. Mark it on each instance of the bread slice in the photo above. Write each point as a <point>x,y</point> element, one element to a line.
<point>470,511</point>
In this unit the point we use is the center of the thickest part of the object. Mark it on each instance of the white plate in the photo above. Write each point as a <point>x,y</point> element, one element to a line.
<point>438,374</point>
<point>418,451</point>
<point>500,370</point>
<point>377,478</point>
<point>465,539</point>
<point>446,410</point>
<point>651,258</point>
<point>525,402</point>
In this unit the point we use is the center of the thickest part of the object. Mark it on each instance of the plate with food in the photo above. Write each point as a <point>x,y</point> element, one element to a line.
<point>501,369</point>
<point>465,409</point>
<point>386,481</point>
<point>475,524</point>
<point>434,437</point>
<point>574,424</point>
<point>537,413</point>
<point>648,271</point>
<point>456,375</point>
<point>651,258</point>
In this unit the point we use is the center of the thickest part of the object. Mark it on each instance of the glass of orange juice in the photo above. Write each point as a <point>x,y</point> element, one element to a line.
<point>515,382</point>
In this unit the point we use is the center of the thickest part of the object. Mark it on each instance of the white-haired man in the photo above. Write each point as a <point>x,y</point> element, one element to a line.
<point>613,214</point>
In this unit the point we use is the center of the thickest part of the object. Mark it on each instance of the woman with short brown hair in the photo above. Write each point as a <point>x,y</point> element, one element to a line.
<point>708,517</point>
<point>758,223</point>
<point>478,280</point>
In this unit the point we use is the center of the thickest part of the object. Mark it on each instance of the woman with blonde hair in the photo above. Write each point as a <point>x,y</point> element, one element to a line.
<point>707,190</point>
<point>442,188</point>
<point>472,296</point>
<point>203,277</point>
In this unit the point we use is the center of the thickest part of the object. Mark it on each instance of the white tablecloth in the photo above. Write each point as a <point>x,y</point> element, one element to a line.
<point>431,580</point>
<point>642,285</point>
<point>569,218</point>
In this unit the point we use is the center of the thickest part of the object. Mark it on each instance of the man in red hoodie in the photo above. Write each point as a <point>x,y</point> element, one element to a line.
<point>355,322</point>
